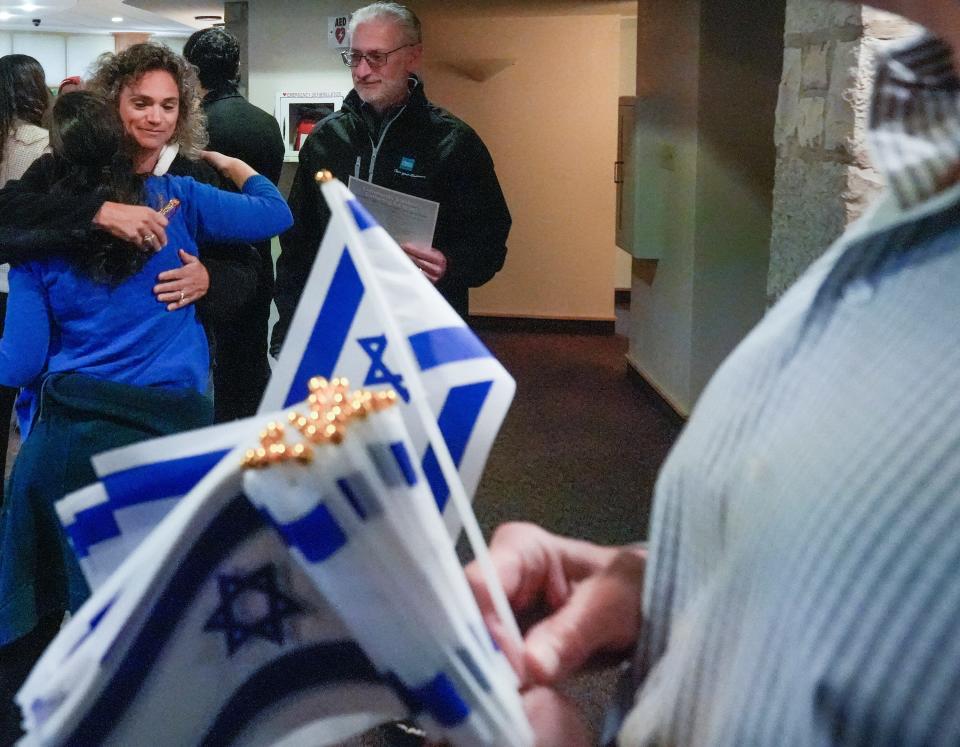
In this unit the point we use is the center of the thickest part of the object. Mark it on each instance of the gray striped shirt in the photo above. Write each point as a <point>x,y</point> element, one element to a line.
<point>804,584</point>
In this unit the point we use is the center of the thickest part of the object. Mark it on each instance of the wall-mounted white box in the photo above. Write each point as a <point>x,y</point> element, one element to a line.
<point>299,111</point>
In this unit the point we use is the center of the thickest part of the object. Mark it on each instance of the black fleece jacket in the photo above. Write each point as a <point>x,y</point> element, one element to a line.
<point>423,151</point>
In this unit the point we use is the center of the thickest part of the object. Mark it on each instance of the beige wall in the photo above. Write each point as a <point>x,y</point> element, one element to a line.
<point>549,119</point>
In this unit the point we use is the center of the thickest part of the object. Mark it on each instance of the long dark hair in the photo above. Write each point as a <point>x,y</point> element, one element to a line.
<point>23,93</point>
<point>93,157</point>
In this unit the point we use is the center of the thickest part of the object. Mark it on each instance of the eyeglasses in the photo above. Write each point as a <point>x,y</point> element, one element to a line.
<point>352,58</point>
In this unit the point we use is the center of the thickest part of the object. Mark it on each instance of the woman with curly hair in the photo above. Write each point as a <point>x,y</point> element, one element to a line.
<point>115,366</point>
<point>157,96</point>
<point>24,100</point>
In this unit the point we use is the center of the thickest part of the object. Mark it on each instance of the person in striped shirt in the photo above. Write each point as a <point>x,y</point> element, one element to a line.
<point>801,585</point>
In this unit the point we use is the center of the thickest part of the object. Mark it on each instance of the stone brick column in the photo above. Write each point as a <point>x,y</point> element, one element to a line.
<point>824,178</point>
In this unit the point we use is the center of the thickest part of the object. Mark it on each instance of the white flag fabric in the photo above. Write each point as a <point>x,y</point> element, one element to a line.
<point>211,632</point>
<point>138,486</point>
<point>338,330</point>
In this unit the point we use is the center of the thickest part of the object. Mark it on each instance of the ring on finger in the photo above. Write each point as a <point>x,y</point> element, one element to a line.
<point>181,296</point>
<point>148,238</point>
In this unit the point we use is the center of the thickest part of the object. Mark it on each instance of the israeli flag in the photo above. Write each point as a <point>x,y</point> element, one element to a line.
<point>210,633</point>
<point>368,314</point>
<point>299,603</point>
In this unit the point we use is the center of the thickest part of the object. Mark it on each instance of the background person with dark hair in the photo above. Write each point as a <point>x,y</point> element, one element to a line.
<point>24,100</point>
<point>115,366</point>
<point>238,128</point>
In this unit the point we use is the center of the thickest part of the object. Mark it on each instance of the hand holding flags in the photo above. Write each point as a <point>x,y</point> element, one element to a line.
<point>335,599</point>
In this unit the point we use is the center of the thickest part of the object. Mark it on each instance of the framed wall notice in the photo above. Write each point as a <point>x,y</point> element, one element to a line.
<point>299,111</point>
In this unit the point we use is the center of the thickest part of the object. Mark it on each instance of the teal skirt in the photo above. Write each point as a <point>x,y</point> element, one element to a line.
<point>79,417</point>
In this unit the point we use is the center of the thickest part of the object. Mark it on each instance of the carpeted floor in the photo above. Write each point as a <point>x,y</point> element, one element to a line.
<point>581,446</point>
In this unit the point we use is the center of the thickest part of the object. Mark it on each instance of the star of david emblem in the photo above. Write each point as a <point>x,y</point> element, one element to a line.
<point>375,347</point>
<point>251,605</point>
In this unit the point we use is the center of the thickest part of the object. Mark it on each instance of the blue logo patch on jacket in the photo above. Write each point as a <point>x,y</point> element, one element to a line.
<point>406,164</point>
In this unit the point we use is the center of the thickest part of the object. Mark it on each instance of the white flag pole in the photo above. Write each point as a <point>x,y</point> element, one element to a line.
<point>419,399</point>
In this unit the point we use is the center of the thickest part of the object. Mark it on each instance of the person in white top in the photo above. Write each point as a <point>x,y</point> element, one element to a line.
<point>24,103</point>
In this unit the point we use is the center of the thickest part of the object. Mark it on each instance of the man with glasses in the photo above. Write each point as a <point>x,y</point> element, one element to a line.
<point>388,133</point>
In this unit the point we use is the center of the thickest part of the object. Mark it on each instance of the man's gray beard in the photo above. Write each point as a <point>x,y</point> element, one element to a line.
<point>401,98</point>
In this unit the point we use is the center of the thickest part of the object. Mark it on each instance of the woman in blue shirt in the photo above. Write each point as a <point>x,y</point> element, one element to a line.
<point>115,365</point>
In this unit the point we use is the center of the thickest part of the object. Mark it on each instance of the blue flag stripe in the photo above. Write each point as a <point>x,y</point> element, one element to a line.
<point>317,535</point>
<point>158,480</point>
<point>459,415</point>
<point>329,333</point>
<point>361,217</point>
<point>94,622</point>
<point>135,486</point>
<point>90,526</point>
<point>437,347</point>
<point>402,456</point>
<point>440,699</point>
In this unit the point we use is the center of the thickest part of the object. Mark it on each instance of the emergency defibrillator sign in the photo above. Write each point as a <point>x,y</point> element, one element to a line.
<point>337,31</point>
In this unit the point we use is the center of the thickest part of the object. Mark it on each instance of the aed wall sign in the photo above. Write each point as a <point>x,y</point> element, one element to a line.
<point>337,31</point>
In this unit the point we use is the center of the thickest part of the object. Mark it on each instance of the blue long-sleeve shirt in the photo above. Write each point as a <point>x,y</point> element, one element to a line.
<point>58,319</point>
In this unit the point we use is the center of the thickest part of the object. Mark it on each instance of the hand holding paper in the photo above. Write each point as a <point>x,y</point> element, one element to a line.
<point>431,261</point>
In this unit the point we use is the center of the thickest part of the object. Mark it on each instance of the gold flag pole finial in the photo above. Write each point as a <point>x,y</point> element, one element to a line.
<point>323,176</point>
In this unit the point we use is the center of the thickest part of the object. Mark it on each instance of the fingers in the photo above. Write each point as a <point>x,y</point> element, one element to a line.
<point>173,293</point>
<point>602,614</point>
<point>150,228</point>
<point>433,272</point>
<point>432,262</point>
<point>556,721</point>
<point>415,251</point>
<point>175,299</point>
<point>591,596</point>
<point>183,285</point>
<point>519,558</point>
<point>152,232</point>
<point>136,224</point>
<point>214,158</point>
<point>195,273</point>
<point>168,278</point>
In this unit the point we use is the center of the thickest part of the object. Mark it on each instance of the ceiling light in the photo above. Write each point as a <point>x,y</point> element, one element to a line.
<point>208,18</point>
<point>117,19</point>
<point>4,16</point>
<point>29,7</point>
